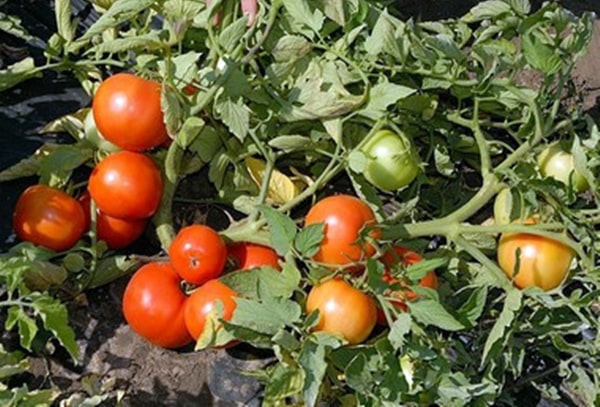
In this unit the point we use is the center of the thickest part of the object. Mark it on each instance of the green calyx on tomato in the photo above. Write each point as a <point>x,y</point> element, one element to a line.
<point>390,162</point>
<point>554,162</point>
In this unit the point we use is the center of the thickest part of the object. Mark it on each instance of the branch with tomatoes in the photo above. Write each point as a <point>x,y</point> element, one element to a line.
<point>405,213</point>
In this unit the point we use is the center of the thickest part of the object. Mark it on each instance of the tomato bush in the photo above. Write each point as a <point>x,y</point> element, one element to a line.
<point>247,256</point>
<point>214,300</point>
<point>390,162</point>
<point>153,305</point>
<point>198,254</point>
<point>48,217</point>
<point>344,217</point>
<point>126,185</point>
<point>343,310</point>
<point>127,112</point>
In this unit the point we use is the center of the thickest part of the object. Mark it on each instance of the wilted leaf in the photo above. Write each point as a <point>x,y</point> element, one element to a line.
<point>281,188</point>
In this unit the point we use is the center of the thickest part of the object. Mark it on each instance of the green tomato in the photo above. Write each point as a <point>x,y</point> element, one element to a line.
<point>93,136</point>
<point>556,163</point>
<point>390,162</point>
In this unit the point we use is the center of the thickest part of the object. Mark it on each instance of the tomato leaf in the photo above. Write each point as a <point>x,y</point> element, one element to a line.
<point>266,316</point>
<point>313,361</point>
<point>57,166</point>
<point>283,229</point>
<point>231,36</point>
<point>290,48</point>
<point>308,240</point>
<point>399,329</point>
<point>485,10</point>
<point>26,325</point>
<point>473,307</point>
<point>236,115</point>
<point>302,16</point>
<point>539,55</point>
<point>55,318</point>
<point>284,381</point>
<point>191,128</point>
<point>431,312</point>
<point>18,72</point>
<point>64,25</point>
<point>383,95</point>
<point>264,282</point>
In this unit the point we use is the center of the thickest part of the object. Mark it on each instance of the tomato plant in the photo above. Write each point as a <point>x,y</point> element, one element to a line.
<point>534,260</point>
<point>127,112</point>
<point>554,162</point>
<point>116,232</point>
<point>126,185</point>
<point>211,300</point>
<point>343,310</point>
<point>344,217</point>
<point>198,254</point>
<point>390,162</point>
<point>48,217</point>
<point>247,256</point>
<point>153,305</point>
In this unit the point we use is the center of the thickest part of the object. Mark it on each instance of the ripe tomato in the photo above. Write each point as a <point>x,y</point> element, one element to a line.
<point>116,232</point>
<point>343,309</point>
<point>250,255</point>
<point>126,185</point>
<point>153,305</point>
<point>556,163</point>
<point>344,217</point>
<point>542,262</point>
<point>391,164</point>
<point>48,217</point>
<point>402,255</point>
<point>128,113</point>
<point>202,302</point>
<point>198,254</point>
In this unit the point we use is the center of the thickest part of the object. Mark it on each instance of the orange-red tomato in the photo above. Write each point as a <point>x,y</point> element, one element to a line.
<point>343,310</point>
<point>542,261</point>
<point>344,217</point>
<point>116,232</point>
<point>198,254</point>
<point>153,305</point>
<point>127,112</point>
<point>126,185</point>
<point>48,217</point>
<point>203,301</point>
<point>402,255</point>
<point>250,255</point>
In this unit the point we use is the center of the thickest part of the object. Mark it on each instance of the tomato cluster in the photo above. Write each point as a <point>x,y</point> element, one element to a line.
<point>156,303</point>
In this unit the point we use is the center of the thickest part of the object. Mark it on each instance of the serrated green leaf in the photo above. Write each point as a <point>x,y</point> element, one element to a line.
<point>64,25</point>
<point>13,26</point>
<point>207,144</point>
<point>290,48</point>
<point>383,36</point>
<point>399,329</point>
<point>472,309</point>
<point>267,316</point>
<point>41,275</point>
<point>25,324</point>
<point>18,72</point>
<point>191,128</point>
<point>301,14</point>
<point>12,363</point>
<point>382,96</point>
<point>284,381</point>
<point>283,229</point>
<point>313,361</point>
<point>264,282</point>
<point>512,305</point>
<point>55,318</point>
<point>485,10</point>
<point>539,55</point>
<point>292,143</point>
<point>57,166</point>
<point>230,37</point>
<point>308,240</point>
<point>431,312</point>
<point>236,115</point>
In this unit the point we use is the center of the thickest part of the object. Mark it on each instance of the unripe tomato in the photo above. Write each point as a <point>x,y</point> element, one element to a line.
<point>402,255</point>
<point>542,261</point>
<point>126,185</point>
<point>556,163</point>
<point>48,217</point>
<point>391,164</point>
<point>203,301</point>
<point>127,112</point>
<point>250,255</point>
<point>344,217</point>
<point>116,232</point>
<point>153,305</point>
<point>198,254</point>
<point>343,310</point>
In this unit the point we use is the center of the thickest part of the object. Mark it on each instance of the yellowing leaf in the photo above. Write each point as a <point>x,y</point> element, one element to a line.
<point>281,188</point>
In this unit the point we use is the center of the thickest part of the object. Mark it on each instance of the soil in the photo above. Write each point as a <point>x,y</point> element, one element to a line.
<point>114,360</point>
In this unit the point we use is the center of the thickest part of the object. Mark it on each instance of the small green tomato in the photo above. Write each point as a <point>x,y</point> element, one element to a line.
<point>554,162</point>
<point>391,163</point>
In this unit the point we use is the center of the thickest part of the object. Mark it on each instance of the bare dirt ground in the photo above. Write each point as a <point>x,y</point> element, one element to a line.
<point>118,363</point>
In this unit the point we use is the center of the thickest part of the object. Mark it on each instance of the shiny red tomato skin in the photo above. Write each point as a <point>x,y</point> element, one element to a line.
<point>116,232</point>
<point>250,255</point>
<point>126,185</point>
<point>344,217</point>
<point>203,301</point>
<point>48,217</point>
<point>198,254</point>
<point>153,305</point>
<point>127,112</point>
<point>343,310</point>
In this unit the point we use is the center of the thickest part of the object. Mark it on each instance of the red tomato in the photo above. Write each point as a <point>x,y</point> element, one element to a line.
<point>541,261</point>
<point>116,232</point>
<point>126,185</point>
<point>343,309</point>
<point>202,302</point>
<point>127,112</point>
<point>198,254</point>
<point>48,217</point>
<point>153,305</point>
<point>406,257</point>
<point>250,255</point>
<point>344,217</point>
